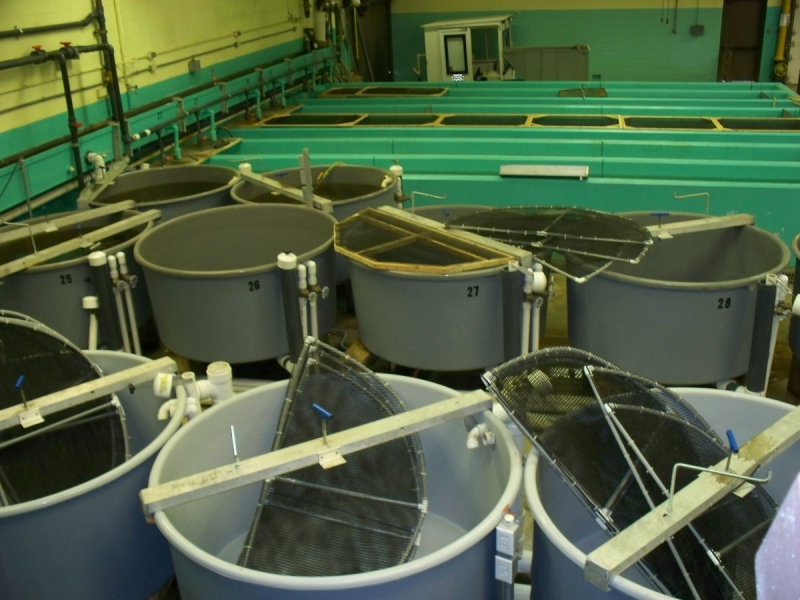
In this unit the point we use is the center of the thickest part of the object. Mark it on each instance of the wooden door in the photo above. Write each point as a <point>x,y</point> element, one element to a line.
<point>741,39</point>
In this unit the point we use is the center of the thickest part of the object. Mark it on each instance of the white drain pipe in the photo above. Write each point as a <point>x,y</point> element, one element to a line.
<point>535,283</point>
<point>116,284</point>
<point>129,283</point>
<point>302,284</point>
<point>311,266</point>
<point>90,304</point>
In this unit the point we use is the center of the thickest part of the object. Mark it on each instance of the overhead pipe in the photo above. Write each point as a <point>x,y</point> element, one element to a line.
<point>18,32</point>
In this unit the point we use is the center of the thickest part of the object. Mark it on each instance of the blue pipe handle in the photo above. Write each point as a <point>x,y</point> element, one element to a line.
<point>322,412</point>
<point>18,384</point>
<point>732,441</point>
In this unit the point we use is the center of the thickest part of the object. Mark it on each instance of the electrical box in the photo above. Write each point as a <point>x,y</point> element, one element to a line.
<point>468,49</point>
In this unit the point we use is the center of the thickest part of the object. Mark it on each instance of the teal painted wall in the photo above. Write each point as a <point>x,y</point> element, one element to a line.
<point>626,44</point>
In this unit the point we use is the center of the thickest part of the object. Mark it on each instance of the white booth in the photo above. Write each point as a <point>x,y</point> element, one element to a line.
<point>459,49</point>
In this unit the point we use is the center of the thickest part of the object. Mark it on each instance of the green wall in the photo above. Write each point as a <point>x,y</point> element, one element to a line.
<point>626,44</point>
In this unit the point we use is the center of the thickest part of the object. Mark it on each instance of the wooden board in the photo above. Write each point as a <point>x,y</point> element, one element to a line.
<point>292,458</point>
<point>97,388</point>
<point>636,541</point>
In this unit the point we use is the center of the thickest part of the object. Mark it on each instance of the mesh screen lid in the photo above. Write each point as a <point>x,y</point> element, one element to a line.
<point>615,438</point>
<point>361,516</point>
<point>590,240</point>
<point>69,447</point>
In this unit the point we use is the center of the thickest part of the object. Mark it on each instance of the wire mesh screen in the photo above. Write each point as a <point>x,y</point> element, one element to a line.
<point>590,240</point>
<point>71,446</point>
<point>616,438</point>
<point>360,516</point>
<point>386,240</point>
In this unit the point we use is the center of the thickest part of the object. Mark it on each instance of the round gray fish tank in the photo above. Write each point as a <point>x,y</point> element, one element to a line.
<point>436,322</point>
<point>684,314</point>
<point>350,188</point>
<point>52,292</point>
<point>175,191</point>
<point>91,541</point>
<point>214,284</point>
<point>467,493</point>
<point>565,532</point>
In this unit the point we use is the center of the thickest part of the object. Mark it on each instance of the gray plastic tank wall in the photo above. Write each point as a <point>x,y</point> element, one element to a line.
<point>352,187</point>
<point>467,492</point>
<point>92,541</point>
<point>684,314</point>
<point>448,322</point>
<point>794,323</point>
<point>52,293</point>
<point>175,191</point>
<point>214,284</point>
<point>564,531</point>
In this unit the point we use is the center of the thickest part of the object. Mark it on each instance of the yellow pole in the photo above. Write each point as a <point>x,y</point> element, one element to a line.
<point>780,66</point>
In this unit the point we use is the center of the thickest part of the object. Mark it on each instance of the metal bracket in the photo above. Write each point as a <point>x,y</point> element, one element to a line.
<point>331,458</point>
<point>30,418</point>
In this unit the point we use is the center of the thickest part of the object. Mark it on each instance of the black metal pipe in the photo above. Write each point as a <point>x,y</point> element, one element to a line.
<point>20,31</point>
<point>512,281</point>
<point>107,316</point>
<point>36,58</point>
<point>760,347</point>
<point>74,142</point>
<point>34,150</point>
<point>112,86</point>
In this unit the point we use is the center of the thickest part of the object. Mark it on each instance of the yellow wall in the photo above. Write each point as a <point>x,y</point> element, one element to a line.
<point>153,40</point>
<point>415,6</point>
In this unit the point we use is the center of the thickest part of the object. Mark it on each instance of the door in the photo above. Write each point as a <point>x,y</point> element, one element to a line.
<point>373,51</point>
<point>740,40</point>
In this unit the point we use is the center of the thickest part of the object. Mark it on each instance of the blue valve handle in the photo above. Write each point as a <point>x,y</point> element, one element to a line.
<point>322,412</point>
<point>18,384</point>
<point>732,441</point>
<point>446,212</point>
<point>660,213</point>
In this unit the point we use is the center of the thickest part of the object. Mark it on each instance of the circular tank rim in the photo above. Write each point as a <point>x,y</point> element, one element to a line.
<point>430,276</point>
<point>796,246</point>
<point>341,582</point>
<point>229,273</point>
<point>705,285</point>
<point>384,172</point>
<point>564,545</point>
<point>73,262</point>
<point>144,454</point>
<point>142,174</point>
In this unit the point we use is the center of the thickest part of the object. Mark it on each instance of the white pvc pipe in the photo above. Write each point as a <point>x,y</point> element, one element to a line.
<point>91,304</point>
<point>526,327</point>
<point>92,331</point>
<point>302,283</point>
<point>527,289</point>
<point>311,267</point>
<point>536,325</point>
<point>123,270</point>
<point>126,342</point>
